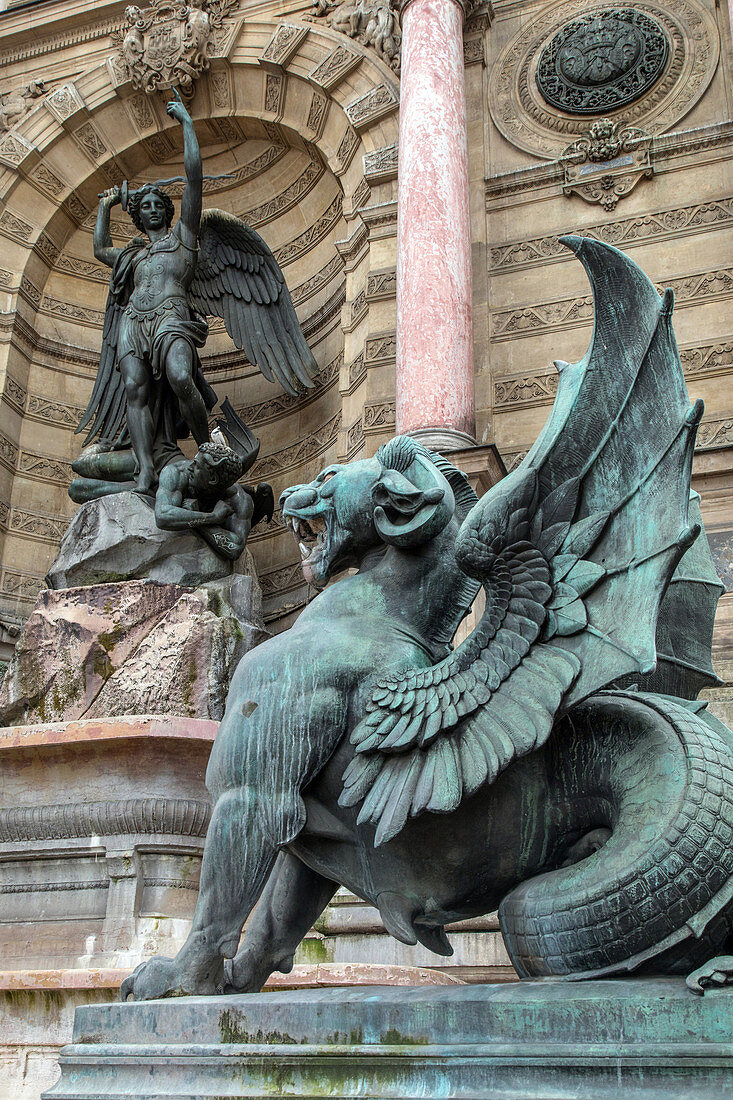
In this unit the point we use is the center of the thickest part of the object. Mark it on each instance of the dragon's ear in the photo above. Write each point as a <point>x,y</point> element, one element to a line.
<point>413,507</point>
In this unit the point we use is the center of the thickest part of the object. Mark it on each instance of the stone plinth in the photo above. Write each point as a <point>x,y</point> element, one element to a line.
<point>646,1038</point>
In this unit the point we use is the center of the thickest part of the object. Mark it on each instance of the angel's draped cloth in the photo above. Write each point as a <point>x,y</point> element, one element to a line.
<point>149,335</point>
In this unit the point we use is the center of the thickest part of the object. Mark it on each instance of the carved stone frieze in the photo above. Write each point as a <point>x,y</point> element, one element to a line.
<point>380,349</point>
<point>47,180</point>
<point>295,455</point>
<point>379,417</point>
<point>381,164</point>
<point>283,45</point>
<point>540,388</point>
<point>376,103</point>
<point>274,89</point>
<point>166,46</point>
<point>178,816</point>
<point>662,223</point>
<point>220,86</point>
<point>354,438</point>
<point>286,577</point>
<point>289,252</point>
<point>14,393</point>
<point>21,586</point>
<point>357,372</point>
<point>347,147</point>
<point>38,525</point>
<point>64,102</point>
<point>525,117</point>
<point>381,285</point>
<point>545,316</point>
<point>715,433</point>
<point>14,226</point>
<point>372,23</point>
<point>473,51</point>
<point>14,149</point>
<point>358,308</point>
<point>361,196</point>
<point>317,113</point>
<point>45,468</point>
<point>285,403</point>
<point>49,411</point>
<point>8,452</point>
<point>527,389</point>
<point>90,141</point>
<point>332,70</point>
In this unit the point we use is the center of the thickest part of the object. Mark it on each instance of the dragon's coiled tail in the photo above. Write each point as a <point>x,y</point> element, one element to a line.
<point>659,894</point>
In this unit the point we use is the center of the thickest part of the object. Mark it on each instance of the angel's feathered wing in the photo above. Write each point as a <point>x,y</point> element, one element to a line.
<point>575,550</point>
<point>238,279</point>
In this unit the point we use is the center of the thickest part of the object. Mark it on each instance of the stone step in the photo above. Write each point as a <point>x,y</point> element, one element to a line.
<point>645,1038</point>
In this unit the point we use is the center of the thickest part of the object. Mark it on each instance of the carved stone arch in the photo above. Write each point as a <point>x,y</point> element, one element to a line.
<point>98,130</point>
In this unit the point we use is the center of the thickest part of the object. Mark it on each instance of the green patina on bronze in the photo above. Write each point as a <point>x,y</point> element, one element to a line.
<point>547,766</point>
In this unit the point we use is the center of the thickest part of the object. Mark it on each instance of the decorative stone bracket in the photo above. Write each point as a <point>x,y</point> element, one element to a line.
<point>607,162</point>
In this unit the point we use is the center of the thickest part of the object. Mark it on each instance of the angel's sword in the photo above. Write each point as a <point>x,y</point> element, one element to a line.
<point>126,193</point>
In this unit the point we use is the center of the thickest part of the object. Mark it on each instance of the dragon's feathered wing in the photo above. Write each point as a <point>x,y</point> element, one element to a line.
<point>238,279</point>
<point>575,550</point>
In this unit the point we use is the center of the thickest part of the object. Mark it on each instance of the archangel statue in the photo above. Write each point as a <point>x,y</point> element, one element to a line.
<point>150,390</point>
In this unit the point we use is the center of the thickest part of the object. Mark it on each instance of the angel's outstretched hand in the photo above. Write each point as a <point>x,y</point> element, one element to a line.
<point>177,109</point>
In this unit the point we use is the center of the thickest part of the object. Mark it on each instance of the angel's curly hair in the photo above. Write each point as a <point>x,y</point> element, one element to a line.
<point>225,462</point>
<point>136,197</point>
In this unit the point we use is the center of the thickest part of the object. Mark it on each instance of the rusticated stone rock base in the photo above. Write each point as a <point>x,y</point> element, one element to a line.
<point>643,1039</point>
<point>131,647</point>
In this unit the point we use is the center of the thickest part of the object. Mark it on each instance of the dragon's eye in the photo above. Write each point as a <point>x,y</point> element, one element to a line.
<point>328,476</point>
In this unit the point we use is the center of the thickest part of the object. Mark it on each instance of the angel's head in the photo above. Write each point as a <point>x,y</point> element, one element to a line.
<point>150,208</point>
<point>214,469</point>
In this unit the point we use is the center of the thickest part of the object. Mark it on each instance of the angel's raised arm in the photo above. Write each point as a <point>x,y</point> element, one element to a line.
<point>192,193</point>
<point>104,250</point>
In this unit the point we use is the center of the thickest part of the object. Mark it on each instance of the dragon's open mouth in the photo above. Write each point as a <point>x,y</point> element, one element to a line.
<point>311,534</point>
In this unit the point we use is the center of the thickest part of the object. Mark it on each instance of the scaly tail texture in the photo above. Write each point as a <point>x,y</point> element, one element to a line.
<point>575,550</point>
<point>659,894</point>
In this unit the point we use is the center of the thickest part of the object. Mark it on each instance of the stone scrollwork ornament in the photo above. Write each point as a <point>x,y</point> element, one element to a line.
<point>167,45</point>
<point>607,162</point>
<point>602,61</point>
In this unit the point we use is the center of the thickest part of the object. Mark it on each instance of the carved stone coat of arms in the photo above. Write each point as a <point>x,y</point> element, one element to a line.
<point>168,45</point>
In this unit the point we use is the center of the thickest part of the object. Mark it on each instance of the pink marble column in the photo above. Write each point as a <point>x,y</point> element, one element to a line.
<point>435,389</point>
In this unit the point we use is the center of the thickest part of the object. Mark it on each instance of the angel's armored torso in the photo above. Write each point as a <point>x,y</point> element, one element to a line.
<point>163,269</point>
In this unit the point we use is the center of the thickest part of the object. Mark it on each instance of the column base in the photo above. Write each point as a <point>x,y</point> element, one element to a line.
<point>443,440</point>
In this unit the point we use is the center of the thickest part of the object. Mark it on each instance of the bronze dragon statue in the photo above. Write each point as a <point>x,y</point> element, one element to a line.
<point>553,765</point>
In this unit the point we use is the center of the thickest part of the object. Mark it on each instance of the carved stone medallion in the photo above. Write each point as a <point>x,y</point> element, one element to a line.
<point>578,58</point>
<point>602,61</point>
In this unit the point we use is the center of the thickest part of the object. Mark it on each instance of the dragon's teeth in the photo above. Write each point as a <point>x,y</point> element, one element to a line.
<point>304,551</point>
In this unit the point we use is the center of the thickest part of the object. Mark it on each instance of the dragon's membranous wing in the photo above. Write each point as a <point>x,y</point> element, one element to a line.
<point>238,279</point>
<point>575,549</point>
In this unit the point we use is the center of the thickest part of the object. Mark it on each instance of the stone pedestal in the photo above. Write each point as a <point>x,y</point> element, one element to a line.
<point>647,1038</point>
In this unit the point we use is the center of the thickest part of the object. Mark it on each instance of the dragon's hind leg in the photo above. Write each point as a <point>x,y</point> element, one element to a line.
<point>238,857</point>
<point>657,895</point>
<point>294,897</point>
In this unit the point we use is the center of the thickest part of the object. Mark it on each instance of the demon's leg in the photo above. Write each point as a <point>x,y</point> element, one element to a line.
<point>292,900</point>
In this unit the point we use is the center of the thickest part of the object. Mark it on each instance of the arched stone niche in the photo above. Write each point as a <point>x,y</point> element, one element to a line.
<point>305,122</point>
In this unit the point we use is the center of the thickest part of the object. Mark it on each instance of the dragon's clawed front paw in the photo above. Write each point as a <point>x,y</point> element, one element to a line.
<point>718,971</point>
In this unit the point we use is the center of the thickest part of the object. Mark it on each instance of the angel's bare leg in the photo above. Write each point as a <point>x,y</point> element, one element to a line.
<point>139,419</point>
<point>238,858</point>
<point>179,370</point>
<point>292,900</point>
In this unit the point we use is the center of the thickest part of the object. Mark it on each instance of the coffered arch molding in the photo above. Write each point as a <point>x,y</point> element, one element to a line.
<point>73,145</point>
